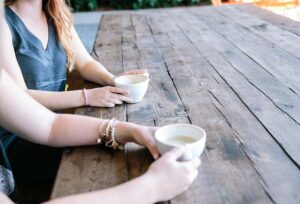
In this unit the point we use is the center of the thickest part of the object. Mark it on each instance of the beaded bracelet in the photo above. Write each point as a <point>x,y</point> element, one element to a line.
<point>109,137</point>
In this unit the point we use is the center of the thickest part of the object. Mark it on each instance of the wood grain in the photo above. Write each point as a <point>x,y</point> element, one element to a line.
<point>275,120</point>
<point>245,125</point>
<point>278,20</point>
<point>233,70</point>
<point>106,168</point>
<point>224,150</point>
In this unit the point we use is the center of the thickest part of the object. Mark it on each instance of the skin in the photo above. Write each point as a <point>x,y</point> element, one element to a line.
<point>60,130</point>
<point>31,13</point>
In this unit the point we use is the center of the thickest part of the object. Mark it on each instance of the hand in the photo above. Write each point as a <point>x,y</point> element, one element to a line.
<point>143,135</point>
<point>107,96</point>
<point>175,176</point>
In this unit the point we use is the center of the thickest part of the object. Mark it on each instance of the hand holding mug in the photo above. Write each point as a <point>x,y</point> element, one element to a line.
<point>176,176</point>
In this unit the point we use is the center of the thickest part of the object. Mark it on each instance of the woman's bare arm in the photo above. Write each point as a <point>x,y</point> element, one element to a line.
<point>137,191</point>
<point>21,114</point>
<point>99,97</point>
<point>92,70</point>
<point>89,68</point>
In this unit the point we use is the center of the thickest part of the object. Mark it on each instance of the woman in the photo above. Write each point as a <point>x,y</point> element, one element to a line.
<point>34,122</point>
<point>40,42</point>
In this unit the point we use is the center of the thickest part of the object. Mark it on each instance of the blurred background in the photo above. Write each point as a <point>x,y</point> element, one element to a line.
<point>86,22</point>
<point>288,8</point>
<point>84,5</point>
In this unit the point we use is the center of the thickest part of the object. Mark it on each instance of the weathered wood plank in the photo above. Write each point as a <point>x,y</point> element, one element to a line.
<point>108,45</point>
<point>280,21</point>
<point>277,122</point>
<point>224,156</point>
<point>255,139</point>
<point>278,62</point>
<point>161,104</point>
<point>161,99</point>
<point>284,39</point>
<point>284,98</point>
<point>202,74</point>
<point>73,176</point>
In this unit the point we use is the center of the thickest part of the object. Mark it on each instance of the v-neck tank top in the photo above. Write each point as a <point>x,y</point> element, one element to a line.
<point>42,69</point>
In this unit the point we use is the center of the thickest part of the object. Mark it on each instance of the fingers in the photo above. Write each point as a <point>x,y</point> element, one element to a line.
<point>192,164</point>
<point>153,150</point>
<point>122,98</point>
<point>108,104</point>
<point>176,153</point>
<point>118,90</point>
<point>114,101</point>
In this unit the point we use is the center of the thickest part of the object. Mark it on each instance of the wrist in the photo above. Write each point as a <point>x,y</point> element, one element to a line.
<point>82,98</point>
<point>124,132</point>
<point>85,97</point>
<point>111,81</point>
<point>151,190</point>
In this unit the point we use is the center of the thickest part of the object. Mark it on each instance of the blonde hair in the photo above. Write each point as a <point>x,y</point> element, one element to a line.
<point>60,14</point>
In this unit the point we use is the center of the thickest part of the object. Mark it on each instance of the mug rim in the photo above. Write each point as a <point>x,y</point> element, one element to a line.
<point>180,124</point>
<point>145,79</point>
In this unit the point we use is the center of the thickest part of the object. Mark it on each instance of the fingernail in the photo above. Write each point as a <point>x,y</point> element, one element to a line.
<point>156,156</point>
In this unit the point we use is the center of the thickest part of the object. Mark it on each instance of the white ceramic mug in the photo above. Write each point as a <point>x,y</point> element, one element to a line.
<point>176,135</point>
<point>136,84</point>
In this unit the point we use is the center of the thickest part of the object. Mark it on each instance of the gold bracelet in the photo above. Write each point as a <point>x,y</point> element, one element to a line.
<point>101,135</point>
<point>109,137</point>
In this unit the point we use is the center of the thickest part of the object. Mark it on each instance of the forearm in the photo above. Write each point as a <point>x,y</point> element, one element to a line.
<point>76,130</point>
<point>136,191</point>
<point>97,73</point>
<point>58,100</point>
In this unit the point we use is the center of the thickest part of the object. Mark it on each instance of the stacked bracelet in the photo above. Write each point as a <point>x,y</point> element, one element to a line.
<point>109,137</point>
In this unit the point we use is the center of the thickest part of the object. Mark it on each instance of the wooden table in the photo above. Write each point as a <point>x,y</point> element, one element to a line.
<point>233,70</point>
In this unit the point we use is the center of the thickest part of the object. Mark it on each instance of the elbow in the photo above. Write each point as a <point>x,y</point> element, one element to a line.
<point>54,133</point>
<point>81,67</point>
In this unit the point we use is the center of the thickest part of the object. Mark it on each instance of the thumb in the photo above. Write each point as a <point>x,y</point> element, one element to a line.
<point>153,150</point>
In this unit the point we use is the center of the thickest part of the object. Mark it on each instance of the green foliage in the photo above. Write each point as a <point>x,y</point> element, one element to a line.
<point>79,5</point>
<point>83,5</point>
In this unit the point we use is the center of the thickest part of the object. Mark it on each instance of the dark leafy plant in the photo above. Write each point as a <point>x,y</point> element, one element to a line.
<point>84,5</point>
<point>129,4</point>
